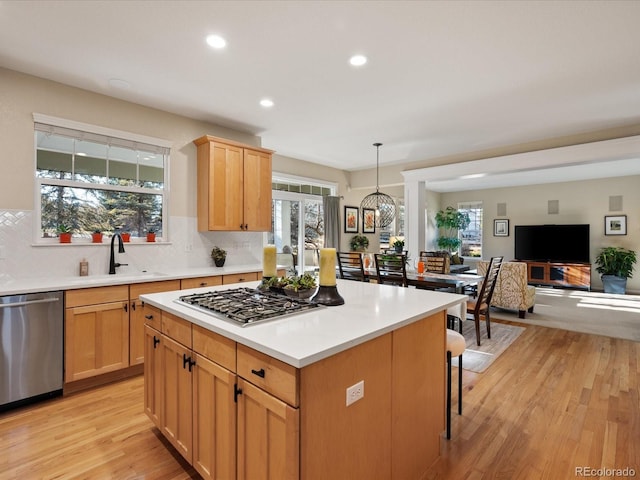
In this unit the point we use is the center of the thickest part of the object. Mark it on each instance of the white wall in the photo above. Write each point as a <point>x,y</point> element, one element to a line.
<point>579,202</point>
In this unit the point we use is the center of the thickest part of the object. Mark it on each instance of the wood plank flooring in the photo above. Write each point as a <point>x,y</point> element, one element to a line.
<point>553,401</point>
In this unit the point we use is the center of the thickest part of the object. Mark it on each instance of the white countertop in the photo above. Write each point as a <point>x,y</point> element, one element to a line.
<point>370,310</point>
<point>17,286</point>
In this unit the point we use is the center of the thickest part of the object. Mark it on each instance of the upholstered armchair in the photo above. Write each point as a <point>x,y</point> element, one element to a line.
<point>512,291</point>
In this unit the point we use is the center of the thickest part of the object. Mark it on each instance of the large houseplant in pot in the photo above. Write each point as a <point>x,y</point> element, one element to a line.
<point>450,221</point>
<point>615,265</point>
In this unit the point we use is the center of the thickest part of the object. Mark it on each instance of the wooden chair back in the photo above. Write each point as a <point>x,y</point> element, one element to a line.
<point>436,262</point>
<point>489,284</point>
<point>351,266</point>
<point>391,269</point>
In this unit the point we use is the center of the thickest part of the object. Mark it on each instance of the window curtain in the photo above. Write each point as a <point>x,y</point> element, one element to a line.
<point>331,207</point>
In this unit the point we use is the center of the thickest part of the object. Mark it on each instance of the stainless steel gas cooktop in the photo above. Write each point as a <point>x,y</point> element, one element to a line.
<point>246,306</point>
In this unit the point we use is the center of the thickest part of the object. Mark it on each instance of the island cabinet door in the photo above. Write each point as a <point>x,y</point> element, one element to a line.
<point>268,436</point>
<point>153,376</point>
<point>177,396</point>
<point>214,420</point>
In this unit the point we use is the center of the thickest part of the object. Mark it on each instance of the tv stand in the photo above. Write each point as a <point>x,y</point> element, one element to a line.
<point>574,275</point>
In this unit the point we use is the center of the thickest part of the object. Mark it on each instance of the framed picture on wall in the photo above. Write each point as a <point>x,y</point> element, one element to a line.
<point>615,225</point>
<point>368,220</point>
<point>350,219</point>
<point>501,228</point>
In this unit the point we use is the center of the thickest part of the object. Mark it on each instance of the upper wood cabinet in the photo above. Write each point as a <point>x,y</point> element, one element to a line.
<point>234,186</point>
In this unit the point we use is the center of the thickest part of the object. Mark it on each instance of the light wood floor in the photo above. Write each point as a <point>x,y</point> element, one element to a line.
<point>554,401</point>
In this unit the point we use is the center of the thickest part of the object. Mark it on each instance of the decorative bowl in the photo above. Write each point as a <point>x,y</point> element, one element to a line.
<point>302,293</point>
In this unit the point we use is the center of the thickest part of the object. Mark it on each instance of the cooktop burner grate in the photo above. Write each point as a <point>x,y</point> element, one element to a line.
<point>246,306</point>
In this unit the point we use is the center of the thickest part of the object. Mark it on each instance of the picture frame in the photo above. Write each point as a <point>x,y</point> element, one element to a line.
<point>368,220</point>
<point>615,225</point>
<point>501,228</point>
<point>351,216</point>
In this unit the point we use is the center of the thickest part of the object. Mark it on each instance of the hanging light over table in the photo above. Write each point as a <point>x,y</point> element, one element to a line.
<point>382,203</point>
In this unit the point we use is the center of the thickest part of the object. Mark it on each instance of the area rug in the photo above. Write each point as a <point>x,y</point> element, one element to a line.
<point>579,311</point>
<point>478,358</point>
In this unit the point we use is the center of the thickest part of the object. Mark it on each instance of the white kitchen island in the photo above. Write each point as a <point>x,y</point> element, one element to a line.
<point>287,384</point>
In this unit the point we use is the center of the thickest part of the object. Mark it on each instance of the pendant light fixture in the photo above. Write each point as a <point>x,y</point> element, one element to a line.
<point>382,203</point>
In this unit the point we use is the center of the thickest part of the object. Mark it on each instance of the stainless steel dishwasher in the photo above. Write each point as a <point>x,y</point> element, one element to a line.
<point>31,347</point>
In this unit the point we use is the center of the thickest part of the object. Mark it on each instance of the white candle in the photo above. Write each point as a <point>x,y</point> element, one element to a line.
<point>269,261</point>
<point>327,267</point>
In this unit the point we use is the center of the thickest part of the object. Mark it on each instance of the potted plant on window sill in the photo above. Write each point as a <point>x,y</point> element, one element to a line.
<point>96,236</point>
<point>219,256</point>
<point>126,237</point>
<point>398,246</point>
<point>64,233</point>
<point>615,265</point>
<point>359,243</point>
<point>151,236</point>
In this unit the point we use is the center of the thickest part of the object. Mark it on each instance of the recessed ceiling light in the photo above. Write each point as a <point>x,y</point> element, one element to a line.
<point>119,83</point>
<point>358,60</point>
<point>216,41</point>
<point>266,103</point>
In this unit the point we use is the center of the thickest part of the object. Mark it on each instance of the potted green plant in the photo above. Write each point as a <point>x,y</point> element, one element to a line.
<point>398,245</point>
<point>64,233</point>
<point>219,256</point>
<point>450,221</point>
<point>615,265</point>
<point>96,236</point>
<point>359,243</point>
<point>151,236</point>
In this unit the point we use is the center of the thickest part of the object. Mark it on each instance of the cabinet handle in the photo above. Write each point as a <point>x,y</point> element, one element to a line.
<point>236,391</point>
<point>142,304</point>
<point>133,305</point>
<point>126,307</point>
<point>241,227</point>
<point>241,280</point>
<point>156,341</point>
<point>185,360</point>
<point>203,284</point>
<point>191,363</point>
<point>149,317</point>
<point>246,226</point>
<point>259,373</point>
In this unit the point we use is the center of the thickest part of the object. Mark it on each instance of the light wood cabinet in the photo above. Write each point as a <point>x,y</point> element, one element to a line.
<point>138,312</point>
<point>239,278</point>
<point>268,436</point>
<point>234,186</point>
<point>177,396</point>
<point>153,375</point>
<point>96,334</point>
<point>575,275</point>
<point>198,282</point>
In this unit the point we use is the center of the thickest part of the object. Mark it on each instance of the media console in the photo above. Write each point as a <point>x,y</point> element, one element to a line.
<point>574,275</point>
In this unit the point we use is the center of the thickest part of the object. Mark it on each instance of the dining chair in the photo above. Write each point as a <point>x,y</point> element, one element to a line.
<point>351,266</point>
<point>479,307</point>
<point>455,347</point>
<point>391,269</point>
<point>435,262</point>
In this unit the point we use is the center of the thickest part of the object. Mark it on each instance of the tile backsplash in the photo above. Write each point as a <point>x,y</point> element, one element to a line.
<point>185,247</point>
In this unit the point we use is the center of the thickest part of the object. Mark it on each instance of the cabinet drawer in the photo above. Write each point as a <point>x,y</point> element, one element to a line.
<point>152,316</point>
<point>271,375</point>
<point>176,328</point>
<point>137,289</point>
<point>201,282</point>
<point>214,347</point>
<point>93,296</point>
<point>239,278</point>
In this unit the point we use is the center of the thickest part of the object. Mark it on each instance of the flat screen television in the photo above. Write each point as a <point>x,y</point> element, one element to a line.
<point>552,243</point>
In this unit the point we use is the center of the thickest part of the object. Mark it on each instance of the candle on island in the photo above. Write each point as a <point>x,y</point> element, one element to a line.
<point>327,267</point>
<point>269,261</point>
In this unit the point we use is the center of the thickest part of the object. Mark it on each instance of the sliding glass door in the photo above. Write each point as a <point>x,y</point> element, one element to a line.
<point>297,229</point>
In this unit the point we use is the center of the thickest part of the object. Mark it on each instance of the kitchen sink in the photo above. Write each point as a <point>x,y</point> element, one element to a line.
<point>117,278</point>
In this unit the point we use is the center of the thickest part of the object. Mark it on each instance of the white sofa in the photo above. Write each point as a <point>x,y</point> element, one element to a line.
<point>512,291</point>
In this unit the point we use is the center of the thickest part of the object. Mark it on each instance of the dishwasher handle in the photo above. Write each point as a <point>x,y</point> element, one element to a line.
<point>29,302</point>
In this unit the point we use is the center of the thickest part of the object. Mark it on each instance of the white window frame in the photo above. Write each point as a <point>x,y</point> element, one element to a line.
<point>108,132</point>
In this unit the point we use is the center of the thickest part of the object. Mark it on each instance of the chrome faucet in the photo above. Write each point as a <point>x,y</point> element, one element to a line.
<point>112,258</point>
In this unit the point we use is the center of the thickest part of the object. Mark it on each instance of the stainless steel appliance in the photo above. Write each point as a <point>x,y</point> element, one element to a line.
<point>31,347</point>
<point>246,306</point>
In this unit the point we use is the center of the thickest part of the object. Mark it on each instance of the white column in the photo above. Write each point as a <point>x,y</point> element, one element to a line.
<point>415,225</point>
